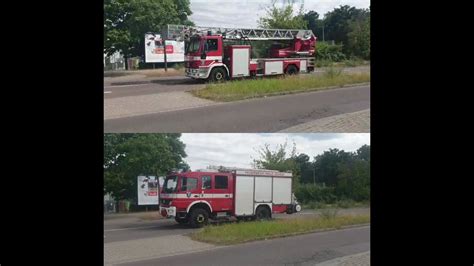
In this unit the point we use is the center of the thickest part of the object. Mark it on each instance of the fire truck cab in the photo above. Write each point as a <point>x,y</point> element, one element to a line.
<point>195,197</point>
<point>217,54</point>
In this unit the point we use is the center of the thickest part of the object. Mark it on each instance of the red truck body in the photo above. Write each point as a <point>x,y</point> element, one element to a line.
<point>217,54</point>
<point>195,197</point>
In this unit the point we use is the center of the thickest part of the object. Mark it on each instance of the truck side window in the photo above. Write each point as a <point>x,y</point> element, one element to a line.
<point>188,183</point>
<point>206,182</point>
<point>221,182</point>
<point>212,45</point>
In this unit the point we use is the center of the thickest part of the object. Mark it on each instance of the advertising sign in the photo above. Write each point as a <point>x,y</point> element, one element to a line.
<point>148,190</point>
<point>154,49</point>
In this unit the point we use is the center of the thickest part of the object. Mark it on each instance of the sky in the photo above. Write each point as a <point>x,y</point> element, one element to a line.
<point>245,13</point>
<point>239,149</point>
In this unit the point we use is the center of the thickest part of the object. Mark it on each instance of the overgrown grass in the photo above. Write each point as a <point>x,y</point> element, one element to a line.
<point>248,231</point>
<point>245,89</point>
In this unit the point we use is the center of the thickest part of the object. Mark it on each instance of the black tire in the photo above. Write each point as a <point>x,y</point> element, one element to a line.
<point>181,220</point>
<point>291,70</point>
<point>217,75</point>
<point>198,218</point>
<point>263,213</point>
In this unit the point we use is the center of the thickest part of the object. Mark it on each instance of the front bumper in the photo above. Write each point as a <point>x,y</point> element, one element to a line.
<point>196,73</point>
<point>168,211</point>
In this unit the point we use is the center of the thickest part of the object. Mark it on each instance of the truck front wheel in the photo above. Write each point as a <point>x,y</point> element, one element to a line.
<point>217,75</point>
<point>198,218</point>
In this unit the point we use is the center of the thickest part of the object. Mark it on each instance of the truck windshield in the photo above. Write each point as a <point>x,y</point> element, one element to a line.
<point>170,184</point>
<point>193,45</point>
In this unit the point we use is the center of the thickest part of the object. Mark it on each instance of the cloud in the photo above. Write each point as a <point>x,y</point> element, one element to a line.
<point>239,149</point>
<point>245,13</point>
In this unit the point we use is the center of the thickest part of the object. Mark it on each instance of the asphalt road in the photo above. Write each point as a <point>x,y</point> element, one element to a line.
<point>306,249</point>
<point>258,115</point>
<point>123,229</point>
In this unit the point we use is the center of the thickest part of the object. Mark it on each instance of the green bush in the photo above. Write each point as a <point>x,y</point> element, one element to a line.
<point>330,52</point>
<point>315,193</point>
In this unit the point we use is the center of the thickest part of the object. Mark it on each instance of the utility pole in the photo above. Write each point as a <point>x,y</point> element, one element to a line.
<point>164,51</point>
<point>314,176</point>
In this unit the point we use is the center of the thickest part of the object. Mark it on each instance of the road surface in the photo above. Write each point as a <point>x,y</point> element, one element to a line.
<point>308,249</point>
<point>269,114</point>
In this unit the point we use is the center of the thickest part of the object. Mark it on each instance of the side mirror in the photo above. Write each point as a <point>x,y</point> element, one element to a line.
<point>203,55</point>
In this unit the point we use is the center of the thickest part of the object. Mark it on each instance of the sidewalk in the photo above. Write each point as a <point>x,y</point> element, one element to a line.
<point>151,248</point>
<point>152,104</point>
<point>356,122</point>
<point>361,259</point>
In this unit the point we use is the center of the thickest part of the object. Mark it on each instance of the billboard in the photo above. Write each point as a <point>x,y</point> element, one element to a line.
<point>154,49</point>
<point>148,190</point>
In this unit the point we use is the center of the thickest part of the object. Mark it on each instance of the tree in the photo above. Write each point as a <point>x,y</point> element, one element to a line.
<point>128,155</point>
<point>327,164</point>
<point>338,23</point>
<point>314,23</point>
<point>282,18</point>
<point>127,21</point>
<point>279,159</point>
<point>354,180</point>
<point>359,38</point>
<point>363,153</point>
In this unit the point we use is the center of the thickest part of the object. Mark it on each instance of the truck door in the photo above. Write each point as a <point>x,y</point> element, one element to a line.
<point>189,187</point>
<point>206,189</point>
<point>222,192</point>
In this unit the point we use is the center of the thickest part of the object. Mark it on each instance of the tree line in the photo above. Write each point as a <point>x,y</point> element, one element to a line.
<point>331,176</point>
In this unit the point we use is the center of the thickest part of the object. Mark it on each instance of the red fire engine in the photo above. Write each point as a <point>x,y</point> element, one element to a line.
<point>217,54</point>
<point>195,197</point>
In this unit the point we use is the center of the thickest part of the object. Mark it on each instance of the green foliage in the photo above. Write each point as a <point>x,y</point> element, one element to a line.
<point>354,180</point>
<point>358,43</point>
<point>330,52</point>
<point>282,18</point>
<point>128,155</point>
<point>339,23</point>
<point>278,159</point>
<point>126,22</point>
<point>311,193</point>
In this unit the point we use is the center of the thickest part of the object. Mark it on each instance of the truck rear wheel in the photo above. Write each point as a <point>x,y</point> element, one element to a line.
<point>291,70</point>
<point>217,75</point>
<point>263,213</point>
<point>198,218</point>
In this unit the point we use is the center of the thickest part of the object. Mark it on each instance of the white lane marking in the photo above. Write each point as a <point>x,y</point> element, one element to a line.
<point>107,92</point>
<point>129,228</point>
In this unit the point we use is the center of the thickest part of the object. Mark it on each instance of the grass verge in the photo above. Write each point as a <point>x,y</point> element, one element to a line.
<point>248,231</point>
<point>245,89</point>
<point>344,204</point>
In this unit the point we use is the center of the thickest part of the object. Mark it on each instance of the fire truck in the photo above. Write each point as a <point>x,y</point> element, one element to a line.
<point>216,54</point>
<point>227,193</point>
